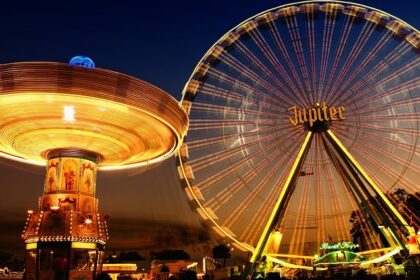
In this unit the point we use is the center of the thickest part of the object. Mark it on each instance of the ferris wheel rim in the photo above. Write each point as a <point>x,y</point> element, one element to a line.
<point>415,30</point>
<point>242,244</point>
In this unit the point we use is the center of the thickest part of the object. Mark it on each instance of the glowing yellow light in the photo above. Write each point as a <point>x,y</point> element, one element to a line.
<point>382,258</point>
<point>377,250</point>
<point>128,127</point>
<point>281,197</point>
<point>372,183</point>
<point>119,267</point>
<point>54,208</point>
<point>31,246</point>
<point>30,211</point>
<point>83,245</point>
<point>88,221</point>
<point>286,264</point>
<point>68,114</point>
<point>290,256</point>
<point>192,265</point>
<point>231,36</point>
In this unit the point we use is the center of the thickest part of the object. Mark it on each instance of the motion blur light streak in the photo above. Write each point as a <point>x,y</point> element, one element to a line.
<point>129,122</point>
<point>121,122</point>
<point>245,100</point>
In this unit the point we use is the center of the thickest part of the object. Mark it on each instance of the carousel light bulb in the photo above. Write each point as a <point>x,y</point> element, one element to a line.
<point>68,114</point>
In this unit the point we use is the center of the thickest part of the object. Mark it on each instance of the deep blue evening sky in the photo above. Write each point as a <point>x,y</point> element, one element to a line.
<point>156,41</point>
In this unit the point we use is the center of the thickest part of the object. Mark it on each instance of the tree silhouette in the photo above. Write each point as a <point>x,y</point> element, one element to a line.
<point>131,256</point>
<point>356,229</point>
<point>170,255</point>
<point>221,252</point>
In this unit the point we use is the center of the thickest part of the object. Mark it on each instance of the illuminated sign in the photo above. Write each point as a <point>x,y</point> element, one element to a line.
<point>318,113</point>
<point>30,246</point>
<point>339,246</point>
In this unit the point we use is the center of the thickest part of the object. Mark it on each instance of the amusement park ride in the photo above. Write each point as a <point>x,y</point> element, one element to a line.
<point>301,117</point>
<point>75,119</point>
<point>328,87</point>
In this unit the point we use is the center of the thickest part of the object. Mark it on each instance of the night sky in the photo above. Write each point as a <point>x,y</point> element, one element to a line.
<point>156,41</point>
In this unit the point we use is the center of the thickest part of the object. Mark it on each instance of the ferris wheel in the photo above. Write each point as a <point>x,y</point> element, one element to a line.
<point>302,117</point>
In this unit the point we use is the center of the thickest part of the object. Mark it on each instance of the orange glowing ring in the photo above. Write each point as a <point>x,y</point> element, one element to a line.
<point>126,121</point>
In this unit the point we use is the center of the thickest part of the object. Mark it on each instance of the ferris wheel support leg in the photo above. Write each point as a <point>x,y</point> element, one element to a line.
<point>374,186</point>
<point>284,194</point>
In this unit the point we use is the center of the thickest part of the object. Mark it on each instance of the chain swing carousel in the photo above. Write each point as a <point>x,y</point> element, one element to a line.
<point>76,119</point>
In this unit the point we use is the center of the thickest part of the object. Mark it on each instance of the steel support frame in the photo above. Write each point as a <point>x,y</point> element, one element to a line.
<point>280,204</point>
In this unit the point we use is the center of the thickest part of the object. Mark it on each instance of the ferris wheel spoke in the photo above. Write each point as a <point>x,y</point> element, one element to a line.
<point>212,159</point>
<point>272,58</point>
<point>320,209</point>
<point>203,107</point>
<point>310,25</point>
<point>254,77</point>
<point>377,148</point>
<point>371,183</point>
<point>329,24</point>
<point>382,182</point>
<point>375,70</point>
<point>232,125</point>
<point>221,124</point>
<point>247,88</point>
<point>300,221</point>
<point>228,96</point>
<point>238,214</point>
<point>350,198</point>
<point>366,154</point>
<point>222,138</point>
<point>272,171</point>
<point>365,228</point>
<point>386,154</point>
<point>361,66</point>
<point>390,106</point>
<point>228,193</point>
<point>240,67</point>
<point>386,118</point>
<point>384,198</point>
<point>336,208</point>
<point>397,90</point>
<point>211,180</point>
<point>283,50</point>
<point>215,158</point>
<point>361,41</point>
<point>257,62</point>
<point>257,224</point>
<point>381,140</point>
<point>291,23</point>
<point>395,131</point>
<point>270,223</point>
<point>338,55</point>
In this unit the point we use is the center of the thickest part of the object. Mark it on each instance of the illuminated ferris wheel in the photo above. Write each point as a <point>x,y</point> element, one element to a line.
<point>303,119</point>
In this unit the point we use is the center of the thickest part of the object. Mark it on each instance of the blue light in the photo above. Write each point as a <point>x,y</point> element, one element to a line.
<point>82,61</point>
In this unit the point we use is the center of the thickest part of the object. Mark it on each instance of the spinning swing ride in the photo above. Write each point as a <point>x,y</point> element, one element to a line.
<point>303,120</point>
<point>76,119</point>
